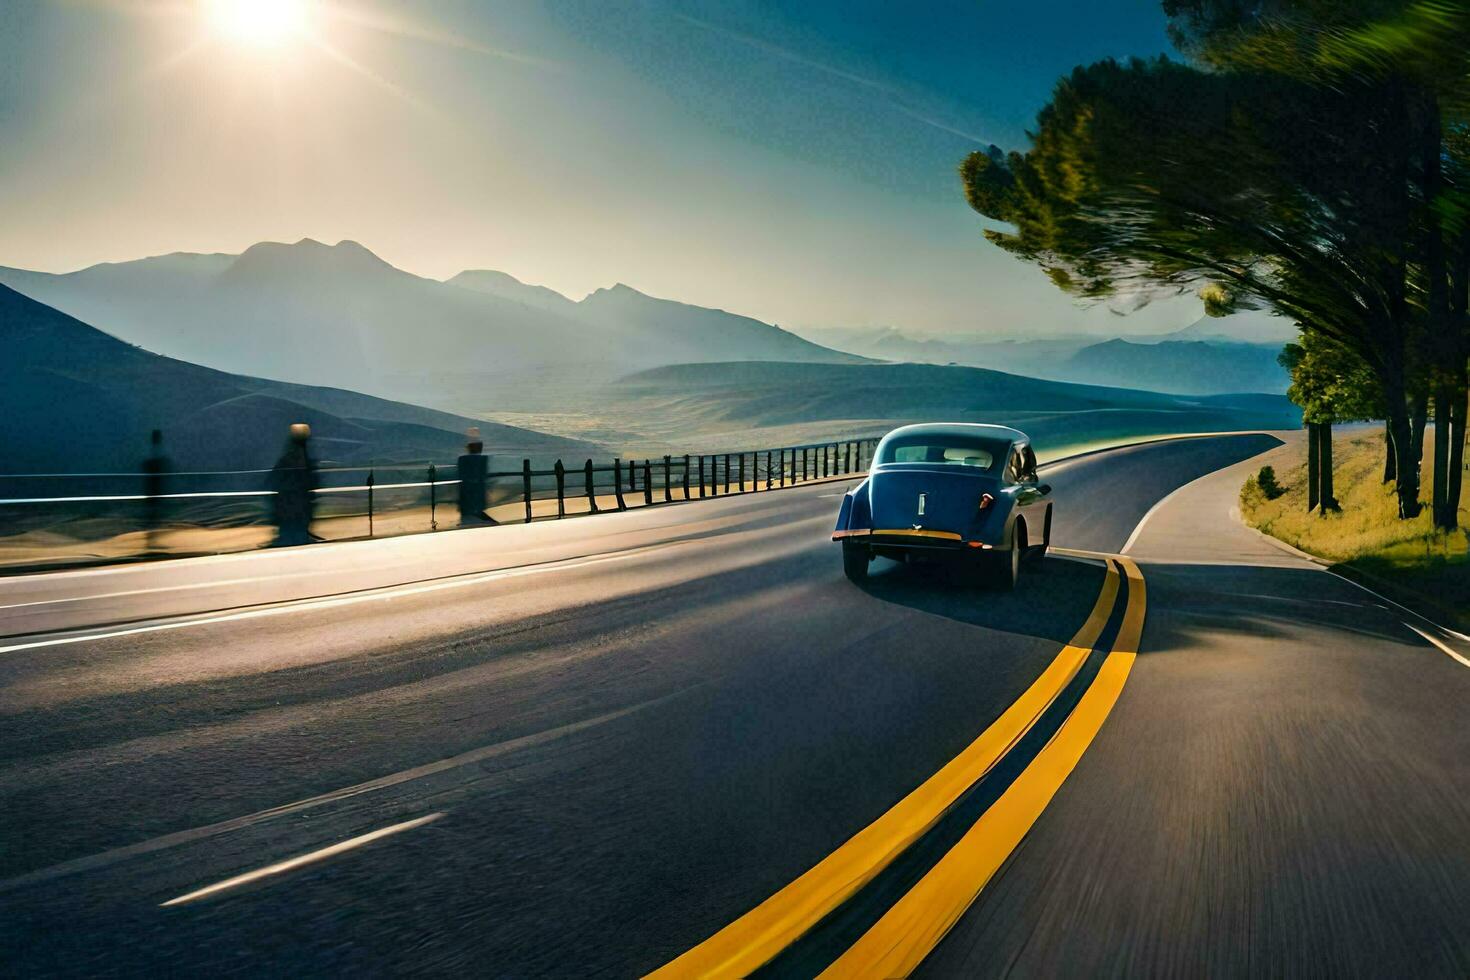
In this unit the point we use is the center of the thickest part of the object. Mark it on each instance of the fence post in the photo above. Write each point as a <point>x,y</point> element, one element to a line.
<point>742,472</point>
<point>686,476</point>
<point>370,502</point>
<point>561,489</point>
<point>433,501</point>
<point>647,483</point>
<point>714,475</point>
<point>526,484</point>
<point>591,484</point>
<point>667,480</point>
<point>701,476</point>
<point>618,484</point>
<point>768,469</point>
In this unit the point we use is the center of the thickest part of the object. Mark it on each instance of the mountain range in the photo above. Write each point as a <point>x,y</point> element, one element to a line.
<point>75,399</point>
<point>1208,357</point>
<point>339,315</point>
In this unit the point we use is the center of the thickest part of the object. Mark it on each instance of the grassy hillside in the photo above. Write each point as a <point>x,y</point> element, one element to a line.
<point>746,398</point>
<point>1184,367</point>
<point>1414,559</point>
<point>75,399</point>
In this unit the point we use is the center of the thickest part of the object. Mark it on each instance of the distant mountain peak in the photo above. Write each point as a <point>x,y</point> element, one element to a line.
<point>485,275</point>
<point>507,286</point>
<point>618,290</point>
<point>345,254</point>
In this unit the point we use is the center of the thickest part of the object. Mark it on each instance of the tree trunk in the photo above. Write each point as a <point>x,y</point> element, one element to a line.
<point>1418,421</point>
<point>1389,471</point>
<point>1457,446</point>
<point>1406,467</point>
<point>1449,448</point>
<point>1444,434</point>
<point>1314,481</point>
<point>1325,496</point>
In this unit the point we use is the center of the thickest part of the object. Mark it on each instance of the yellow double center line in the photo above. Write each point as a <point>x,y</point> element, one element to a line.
<point>915,924</point>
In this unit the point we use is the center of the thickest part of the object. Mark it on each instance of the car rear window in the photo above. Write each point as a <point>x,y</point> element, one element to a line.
<point>980,454</point>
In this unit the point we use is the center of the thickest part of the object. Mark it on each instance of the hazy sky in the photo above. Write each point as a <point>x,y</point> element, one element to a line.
<point>790,160</point>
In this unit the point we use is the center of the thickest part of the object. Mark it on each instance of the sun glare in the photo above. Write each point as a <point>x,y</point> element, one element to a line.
<point>259,23</point>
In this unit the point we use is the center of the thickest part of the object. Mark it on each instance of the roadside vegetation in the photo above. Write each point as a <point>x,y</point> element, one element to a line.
<point>1309,158</point>
<point>1419,564</point>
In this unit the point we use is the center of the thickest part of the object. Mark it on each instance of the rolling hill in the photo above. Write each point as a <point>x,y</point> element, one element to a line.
<point>788,399</point>
<point>1179,366</point>
<point>75,399</point>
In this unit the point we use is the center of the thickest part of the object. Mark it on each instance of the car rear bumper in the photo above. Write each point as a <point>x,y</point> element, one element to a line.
<point>910,538</point>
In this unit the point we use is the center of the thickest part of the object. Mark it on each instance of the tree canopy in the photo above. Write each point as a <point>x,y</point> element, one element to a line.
<point>1312,161</point>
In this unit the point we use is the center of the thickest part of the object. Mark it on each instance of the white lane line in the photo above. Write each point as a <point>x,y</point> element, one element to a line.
<point>1138,528</point>
<point>390,592</point>
<point>291,864</point>
<point>92,862</point>
<point>159,589</point>
<point>1439,643</point>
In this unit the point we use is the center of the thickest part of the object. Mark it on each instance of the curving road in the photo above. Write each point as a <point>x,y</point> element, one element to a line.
<point>606,746</point>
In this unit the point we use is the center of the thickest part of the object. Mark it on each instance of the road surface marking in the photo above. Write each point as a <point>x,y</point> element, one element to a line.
<point>758,936</point>
<point>178,838</point>
<point>908,931</point>
<point>332,602</point>
<point>1138,528</point>
<point>302,860</point>
<point>160,589</point>
<point>1439,643</point>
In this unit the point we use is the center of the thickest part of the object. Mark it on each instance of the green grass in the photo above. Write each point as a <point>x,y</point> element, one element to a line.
<point>1419,563</point>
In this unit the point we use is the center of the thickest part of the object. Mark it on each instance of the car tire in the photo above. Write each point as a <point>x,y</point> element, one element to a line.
<point>1005,567</point>
<point>855,559</point>
<point>1038,557</point>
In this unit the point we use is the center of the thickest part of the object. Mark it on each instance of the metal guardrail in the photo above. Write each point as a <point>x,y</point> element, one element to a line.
<point>658,480</point>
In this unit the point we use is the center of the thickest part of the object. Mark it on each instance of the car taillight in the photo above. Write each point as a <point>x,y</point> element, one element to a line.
<point>985,501</point>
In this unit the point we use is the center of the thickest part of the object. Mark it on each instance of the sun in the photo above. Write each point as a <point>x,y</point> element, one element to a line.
<point>259,23</point>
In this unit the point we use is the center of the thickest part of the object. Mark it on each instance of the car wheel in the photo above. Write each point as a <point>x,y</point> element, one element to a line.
<point>1038,559</point>
<point>855,559</point>
<point>1005,569</point>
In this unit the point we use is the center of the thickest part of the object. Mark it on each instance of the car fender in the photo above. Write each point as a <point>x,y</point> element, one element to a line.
<point>998,527</point>
<point>855,514</point>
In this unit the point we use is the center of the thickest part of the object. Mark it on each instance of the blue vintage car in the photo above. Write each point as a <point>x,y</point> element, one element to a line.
<point>955,491</point>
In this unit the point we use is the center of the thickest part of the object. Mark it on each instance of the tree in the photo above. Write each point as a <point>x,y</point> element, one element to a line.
<point>1419,50</point>
<point>1331,384</point>
<point>1258,190</point>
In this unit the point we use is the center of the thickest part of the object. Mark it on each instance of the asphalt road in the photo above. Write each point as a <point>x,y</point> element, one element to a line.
<point>586,748</point>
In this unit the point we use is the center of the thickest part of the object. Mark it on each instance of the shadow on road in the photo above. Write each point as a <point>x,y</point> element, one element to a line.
<point>1258,603</point>
<point>1052,600</point>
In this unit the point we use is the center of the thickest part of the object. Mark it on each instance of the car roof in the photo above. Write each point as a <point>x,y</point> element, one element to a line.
<point>959,429</point>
